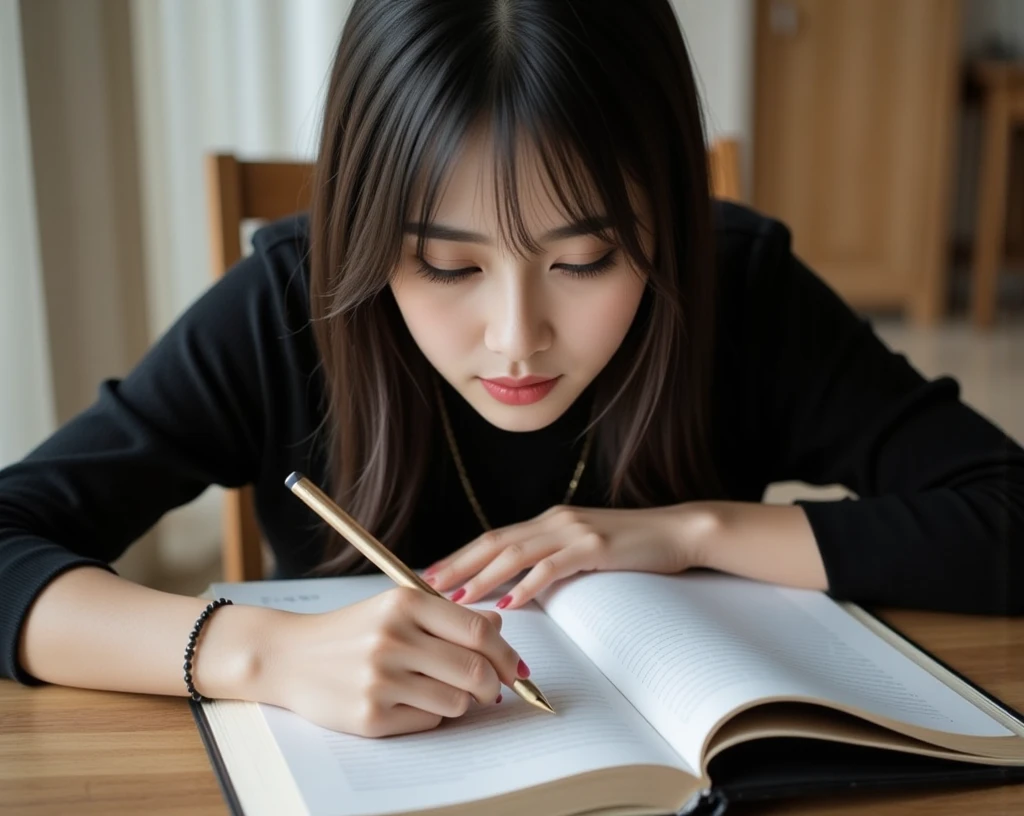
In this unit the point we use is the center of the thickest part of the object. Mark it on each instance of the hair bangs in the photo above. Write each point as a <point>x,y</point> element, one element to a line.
<point>534,153</point>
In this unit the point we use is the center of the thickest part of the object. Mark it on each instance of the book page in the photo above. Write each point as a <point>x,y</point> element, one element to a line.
<point>688,649</point>
<point>491,750</point>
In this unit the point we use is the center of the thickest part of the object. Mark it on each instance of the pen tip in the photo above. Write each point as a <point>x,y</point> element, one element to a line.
<point>533,695</point>
<point>293,479</point>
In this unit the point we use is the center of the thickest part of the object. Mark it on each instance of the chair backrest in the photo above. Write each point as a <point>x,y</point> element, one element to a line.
<point>239,191</point>
<point>724,166</point>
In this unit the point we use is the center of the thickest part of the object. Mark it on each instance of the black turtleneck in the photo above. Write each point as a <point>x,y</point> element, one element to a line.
<point>804,390</point>
<point>518,475</point>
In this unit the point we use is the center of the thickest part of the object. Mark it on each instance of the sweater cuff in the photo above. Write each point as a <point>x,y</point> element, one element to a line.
<point>856,570</point>
<point>29,565</point>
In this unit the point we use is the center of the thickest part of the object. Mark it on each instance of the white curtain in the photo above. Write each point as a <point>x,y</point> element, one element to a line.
<point>245,76</point>
<point>26,395</point>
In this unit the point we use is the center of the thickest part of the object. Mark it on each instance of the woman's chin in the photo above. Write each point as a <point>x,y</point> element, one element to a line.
<point>520,418</point>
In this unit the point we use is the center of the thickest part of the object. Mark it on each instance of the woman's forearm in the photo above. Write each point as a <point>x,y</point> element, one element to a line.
<point>766,542</point>
<point>91,629</point>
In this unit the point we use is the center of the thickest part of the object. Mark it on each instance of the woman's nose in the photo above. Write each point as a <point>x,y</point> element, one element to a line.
<point>518,327</point>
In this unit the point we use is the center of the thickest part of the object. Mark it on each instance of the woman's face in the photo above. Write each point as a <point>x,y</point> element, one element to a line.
<point>518,337</point>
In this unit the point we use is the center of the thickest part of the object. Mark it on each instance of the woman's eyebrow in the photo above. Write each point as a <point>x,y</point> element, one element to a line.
<point>590,225</point>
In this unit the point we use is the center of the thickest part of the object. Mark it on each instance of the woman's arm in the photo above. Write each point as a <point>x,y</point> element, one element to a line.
<point>939,518</point>
<point>765,542</point>
<point>192,413</point>
<point>91,629</point>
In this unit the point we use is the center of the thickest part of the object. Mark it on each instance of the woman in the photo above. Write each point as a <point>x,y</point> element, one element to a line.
<point>513,336</point>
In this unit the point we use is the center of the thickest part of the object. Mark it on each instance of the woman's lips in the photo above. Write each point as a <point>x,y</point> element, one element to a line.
<point>523,391</point>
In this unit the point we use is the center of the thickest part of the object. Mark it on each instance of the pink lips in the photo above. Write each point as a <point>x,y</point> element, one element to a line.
<point>522,391</point>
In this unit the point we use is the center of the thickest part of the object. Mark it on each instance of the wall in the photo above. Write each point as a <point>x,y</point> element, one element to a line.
<point>989,21</point>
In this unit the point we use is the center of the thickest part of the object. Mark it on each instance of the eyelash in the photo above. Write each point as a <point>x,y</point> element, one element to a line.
<point>432,273</point>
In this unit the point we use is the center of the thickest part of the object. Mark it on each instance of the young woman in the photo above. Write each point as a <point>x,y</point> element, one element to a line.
<point>514,337</point>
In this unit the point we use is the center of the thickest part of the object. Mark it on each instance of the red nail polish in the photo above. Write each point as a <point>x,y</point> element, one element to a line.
<point>498,700</point>
<point>430,570</point>
<point>505,601</point>
<point>523,670</point>
<point>457,594</point>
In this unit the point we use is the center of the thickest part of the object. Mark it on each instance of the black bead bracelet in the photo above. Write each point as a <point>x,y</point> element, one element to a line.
<point>190,649</point>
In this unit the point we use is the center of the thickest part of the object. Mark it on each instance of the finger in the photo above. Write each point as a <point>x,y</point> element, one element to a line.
<point>466,628</point>
<point>441,563</point>
<point>435,697</point>
<point>404,719</point>
<point>444,563</point>
<point>493,617</point>
<point>465,674</point>
<point>558,565</point>
<point>473,557</point>
<point>509,563</point>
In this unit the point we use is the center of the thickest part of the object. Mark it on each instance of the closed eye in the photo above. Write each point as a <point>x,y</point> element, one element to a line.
<point>590,269</point>
<point>432,273</point>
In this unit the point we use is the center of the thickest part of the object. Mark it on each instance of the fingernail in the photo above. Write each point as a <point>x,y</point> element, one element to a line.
<point>505,601</point>
<point>498,700</point>
<point>457,594</point>
<point>523,669</point>
<point>430,570</point>
<point>430,579</point>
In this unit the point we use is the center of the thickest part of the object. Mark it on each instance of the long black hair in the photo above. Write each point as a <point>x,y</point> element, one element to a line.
<point>604,91</point>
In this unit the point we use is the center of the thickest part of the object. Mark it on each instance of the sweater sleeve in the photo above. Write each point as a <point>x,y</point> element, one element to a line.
<point>938,522</point>
<point>190,414</point>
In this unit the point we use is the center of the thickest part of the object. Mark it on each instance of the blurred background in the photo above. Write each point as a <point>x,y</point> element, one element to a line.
<point>883,132</point>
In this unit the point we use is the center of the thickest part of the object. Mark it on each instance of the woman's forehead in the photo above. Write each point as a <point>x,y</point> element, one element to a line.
<point>479,189</point>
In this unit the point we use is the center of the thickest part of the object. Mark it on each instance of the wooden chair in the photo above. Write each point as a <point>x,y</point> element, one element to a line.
<point>724,166</point>
<point>238,191</point>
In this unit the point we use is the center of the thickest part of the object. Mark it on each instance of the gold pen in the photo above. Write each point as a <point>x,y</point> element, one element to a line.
<point>392,566</point>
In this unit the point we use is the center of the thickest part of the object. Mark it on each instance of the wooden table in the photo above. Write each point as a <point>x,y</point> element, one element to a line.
<point>72,751</point>
<point>1002,89</point>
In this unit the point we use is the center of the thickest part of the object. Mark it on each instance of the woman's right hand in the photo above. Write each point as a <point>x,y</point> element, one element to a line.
<point>395,663</point>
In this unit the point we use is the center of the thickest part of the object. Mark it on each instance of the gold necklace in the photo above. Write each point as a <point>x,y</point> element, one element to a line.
<point>468,488</point>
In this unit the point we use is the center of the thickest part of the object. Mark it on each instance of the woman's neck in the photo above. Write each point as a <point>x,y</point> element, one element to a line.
<point>517,474</point>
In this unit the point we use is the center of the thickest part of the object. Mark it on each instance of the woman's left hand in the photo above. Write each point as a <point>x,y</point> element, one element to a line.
<point>565,540</point>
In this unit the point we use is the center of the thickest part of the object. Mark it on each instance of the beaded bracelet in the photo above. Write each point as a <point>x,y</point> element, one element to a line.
<point>191,648</point>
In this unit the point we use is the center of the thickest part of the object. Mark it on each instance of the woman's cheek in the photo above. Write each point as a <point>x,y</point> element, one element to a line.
<point>438,323</point>
<point>606,316</point>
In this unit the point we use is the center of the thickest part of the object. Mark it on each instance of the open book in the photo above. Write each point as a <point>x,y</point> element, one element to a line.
<point>661,685</point>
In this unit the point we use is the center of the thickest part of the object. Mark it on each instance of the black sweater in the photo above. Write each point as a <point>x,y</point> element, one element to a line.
<point>231,395</point>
